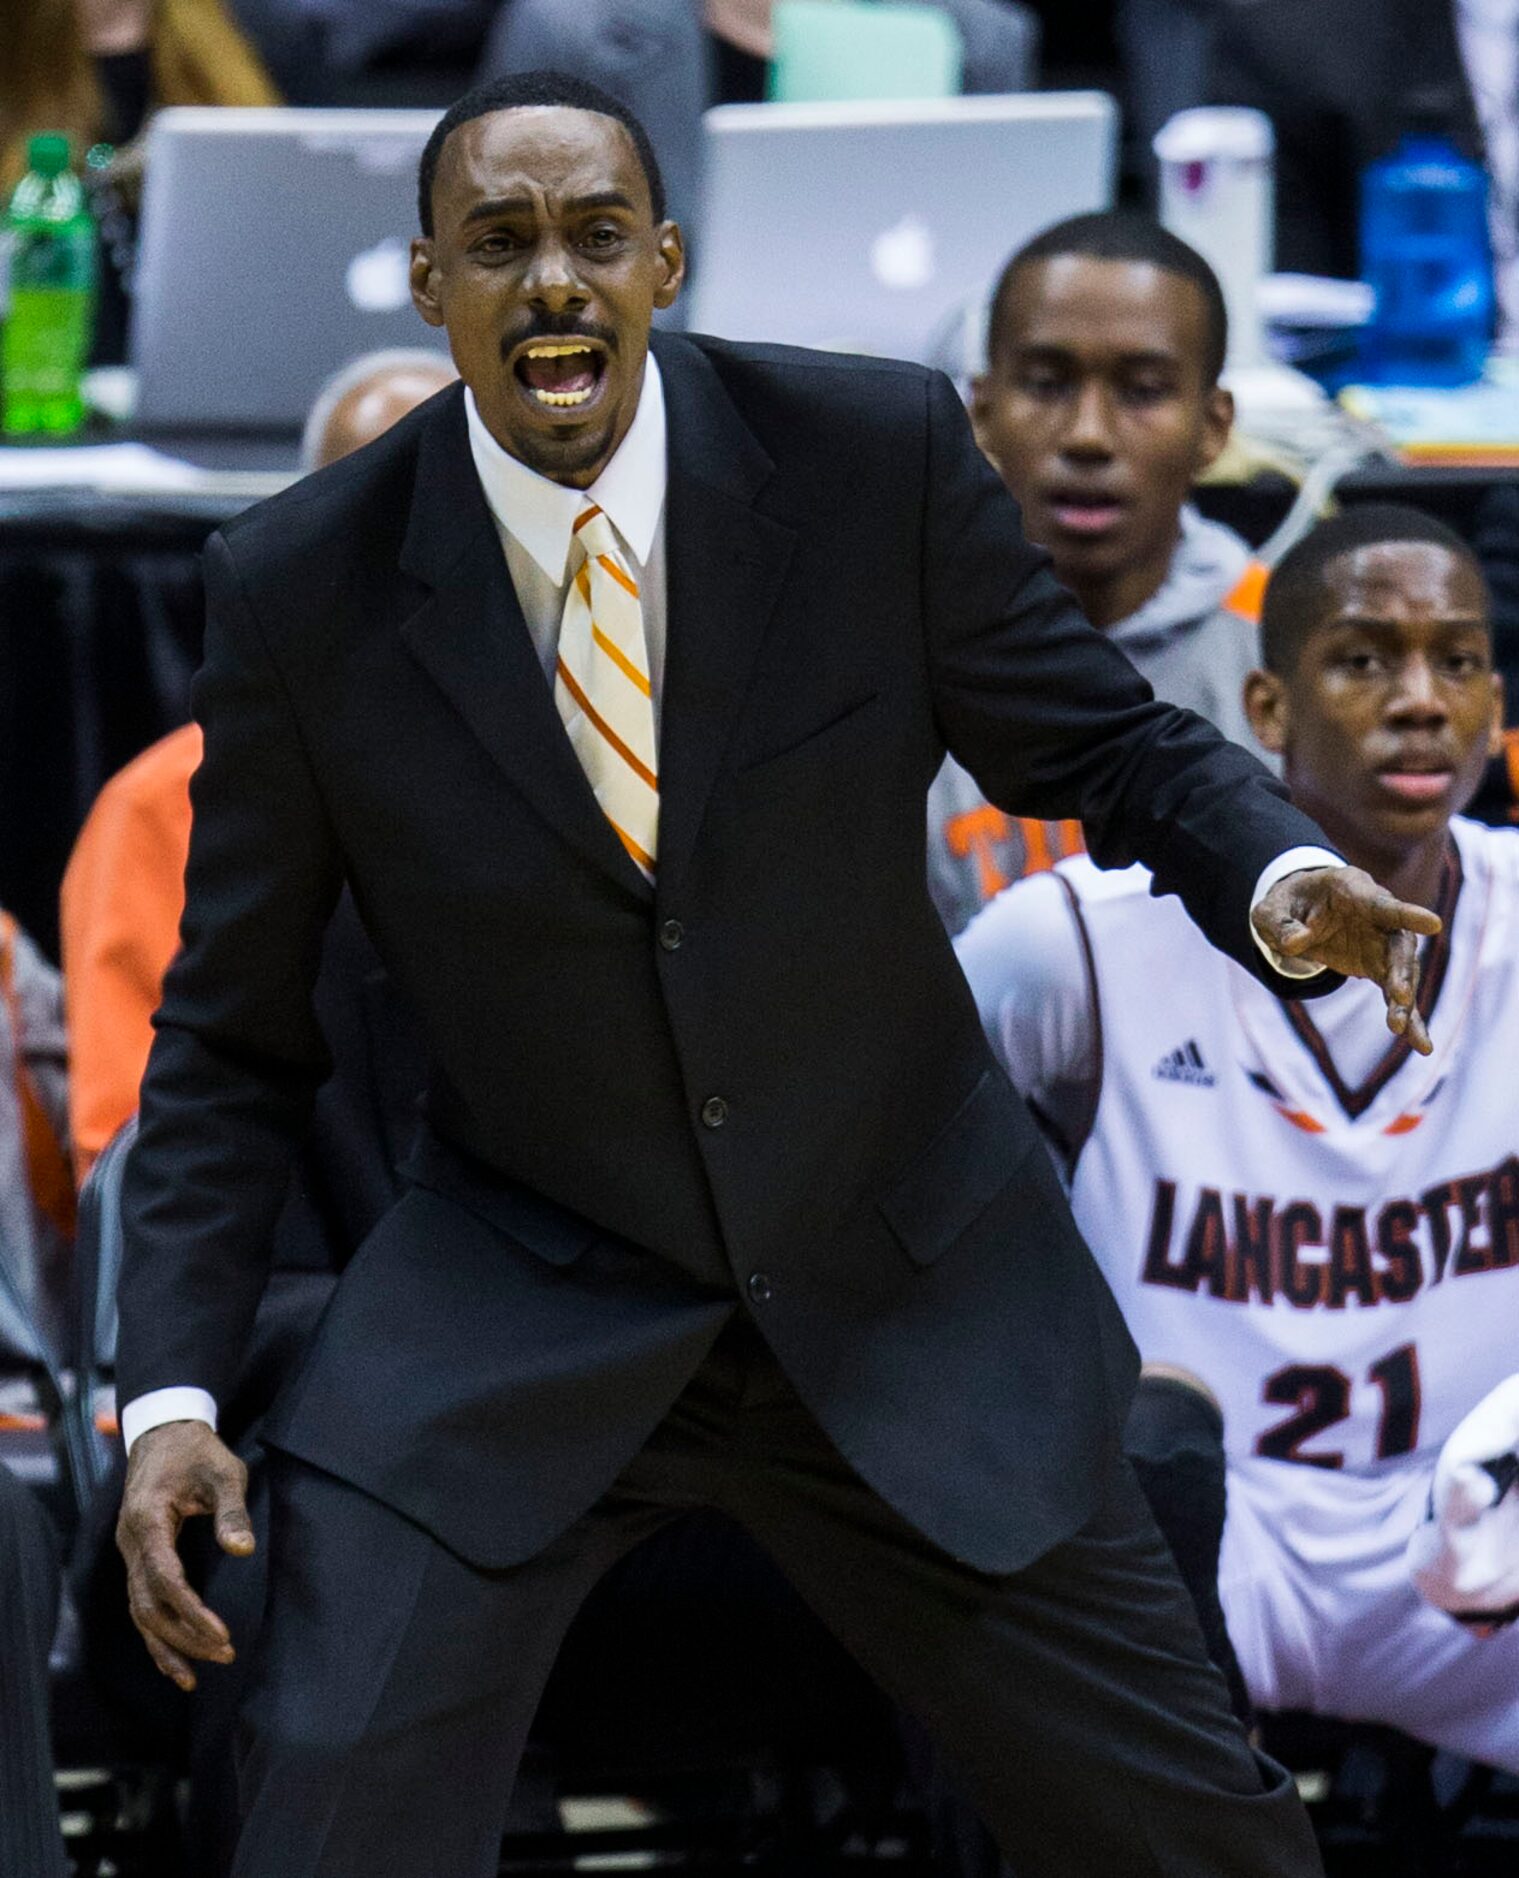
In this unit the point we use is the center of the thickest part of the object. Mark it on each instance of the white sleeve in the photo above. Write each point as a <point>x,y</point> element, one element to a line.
<point>1294,861</point>
<point>184,1404</point>
<point>1024,960</point>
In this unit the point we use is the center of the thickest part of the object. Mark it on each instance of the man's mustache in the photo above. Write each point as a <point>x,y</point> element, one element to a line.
<point>561,326</point>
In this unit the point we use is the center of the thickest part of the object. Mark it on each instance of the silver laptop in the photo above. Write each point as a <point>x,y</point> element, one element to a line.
<point>880,227</point>
<point>274,249</point>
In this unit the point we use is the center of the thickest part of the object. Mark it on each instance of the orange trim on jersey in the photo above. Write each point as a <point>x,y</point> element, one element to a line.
<point>621,660</point>
<point>1300,1119</point>
<point>1404,1125</point>
<point>1249,593</point>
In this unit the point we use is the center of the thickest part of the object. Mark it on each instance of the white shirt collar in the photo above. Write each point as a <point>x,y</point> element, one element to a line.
<point>541,514</point>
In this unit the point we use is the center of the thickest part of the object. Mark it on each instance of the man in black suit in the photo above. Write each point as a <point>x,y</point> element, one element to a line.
<point>720,1201</point>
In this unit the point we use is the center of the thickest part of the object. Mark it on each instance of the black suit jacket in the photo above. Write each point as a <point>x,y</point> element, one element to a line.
<point>762,1083</point>
<point>1339,80</point>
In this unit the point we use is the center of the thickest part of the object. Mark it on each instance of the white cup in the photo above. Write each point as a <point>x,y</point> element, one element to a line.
<point>1217,192</point>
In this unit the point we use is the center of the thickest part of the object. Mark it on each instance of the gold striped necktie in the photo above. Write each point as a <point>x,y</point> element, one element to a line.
<point>602,689</point>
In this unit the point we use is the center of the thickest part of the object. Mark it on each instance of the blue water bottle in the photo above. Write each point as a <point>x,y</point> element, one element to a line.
<point>1425,251</point>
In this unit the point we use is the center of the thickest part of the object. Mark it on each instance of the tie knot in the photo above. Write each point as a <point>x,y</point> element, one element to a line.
<point>595,533</point>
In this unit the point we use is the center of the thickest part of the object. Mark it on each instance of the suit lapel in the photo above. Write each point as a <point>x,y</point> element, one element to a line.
<point>726,562</point>
<point>469,635</point>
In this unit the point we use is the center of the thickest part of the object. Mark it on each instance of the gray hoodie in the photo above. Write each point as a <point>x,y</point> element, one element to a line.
<point>1193,647</point>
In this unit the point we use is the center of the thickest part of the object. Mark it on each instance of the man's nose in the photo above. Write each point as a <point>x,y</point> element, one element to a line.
<point>551,281</point>
<point>1090,431</point>
<point>1418,695</point>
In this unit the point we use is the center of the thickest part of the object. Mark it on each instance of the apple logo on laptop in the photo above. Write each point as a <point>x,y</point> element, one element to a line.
<point>903,256</point>
<point>379,278</point>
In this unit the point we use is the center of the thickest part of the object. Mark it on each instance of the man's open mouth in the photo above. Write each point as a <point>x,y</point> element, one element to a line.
<point>1084,512</point>
<point>560,374</point>
<point>1416,781</point>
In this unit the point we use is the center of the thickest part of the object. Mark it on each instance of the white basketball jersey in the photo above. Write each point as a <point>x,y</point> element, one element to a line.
<point>1340,1264</point>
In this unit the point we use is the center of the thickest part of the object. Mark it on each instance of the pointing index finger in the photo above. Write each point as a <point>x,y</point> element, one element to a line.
<point>1404,916</point>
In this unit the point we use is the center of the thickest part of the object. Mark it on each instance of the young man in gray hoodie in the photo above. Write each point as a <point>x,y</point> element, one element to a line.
<point>1101,405</point>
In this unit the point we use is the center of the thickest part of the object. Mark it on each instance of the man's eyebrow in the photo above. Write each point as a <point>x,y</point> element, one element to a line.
<point>1061,349</point>
<point>1379,623</point>
<point>489,207</point>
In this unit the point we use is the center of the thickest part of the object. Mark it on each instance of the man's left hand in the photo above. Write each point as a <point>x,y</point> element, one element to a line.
<point>1340,918</point>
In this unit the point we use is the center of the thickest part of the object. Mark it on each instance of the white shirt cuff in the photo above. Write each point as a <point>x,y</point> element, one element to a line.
<point>1294,861</point>
<point>165,1405</point>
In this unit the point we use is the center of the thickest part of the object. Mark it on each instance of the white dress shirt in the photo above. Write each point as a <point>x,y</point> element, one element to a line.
<point>535,519</point>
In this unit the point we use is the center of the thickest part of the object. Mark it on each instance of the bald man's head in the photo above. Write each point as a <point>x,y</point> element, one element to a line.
<point>365,398</point>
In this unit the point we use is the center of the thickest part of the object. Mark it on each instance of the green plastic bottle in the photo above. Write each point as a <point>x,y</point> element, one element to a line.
<point>50,235</point>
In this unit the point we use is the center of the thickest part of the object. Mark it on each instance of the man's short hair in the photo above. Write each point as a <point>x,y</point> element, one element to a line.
<point>1122,235</point>
<point>1299,584</point>
<point>518,91</point>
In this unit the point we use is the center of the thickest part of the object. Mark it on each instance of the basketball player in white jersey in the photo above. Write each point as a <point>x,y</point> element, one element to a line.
<point>1297,1209</point>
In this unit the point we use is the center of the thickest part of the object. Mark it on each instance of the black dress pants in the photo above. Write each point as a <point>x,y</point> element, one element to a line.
<point>393,1684</point>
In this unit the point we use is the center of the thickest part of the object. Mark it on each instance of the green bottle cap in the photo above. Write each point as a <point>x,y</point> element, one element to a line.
<point>48,153</point>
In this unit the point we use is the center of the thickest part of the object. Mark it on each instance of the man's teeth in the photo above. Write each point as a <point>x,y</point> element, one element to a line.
<point>569,350</point>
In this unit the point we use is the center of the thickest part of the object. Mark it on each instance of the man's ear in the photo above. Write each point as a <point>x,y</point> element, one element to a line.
<point>423,278</point>
<point>1266,707</point>
<point>672,252</point>
<point>980,411</point>
<point>1218,421</point>
<point>1495,735</point>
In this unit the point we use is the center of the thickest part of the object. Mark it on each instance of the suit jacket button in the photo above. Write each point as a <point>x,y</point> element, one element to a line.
<point>714,1112</point>
<point>670,935</point>
<point>758,1288</point>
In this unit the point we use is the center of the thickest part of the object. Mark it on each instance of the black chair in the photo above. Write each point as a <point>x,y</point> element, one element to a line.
<point>97,1265</point>
<point>38,1431</point>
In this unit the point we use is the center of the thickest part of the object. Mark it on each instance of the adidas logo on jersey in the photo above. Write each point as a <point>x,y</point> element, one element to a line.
<point>1185,1064</point>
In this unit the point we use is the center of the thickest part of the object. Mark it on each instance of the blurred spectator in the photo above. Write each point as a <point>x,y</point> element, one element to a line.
<point>124,887</point>
<point>1101,405</point>
<point>1341,78</point>
<point>1163,45</point>
<point>96,69</point>
<point>667,59</point>
<point>362,400</point>
<point>36,1192</point>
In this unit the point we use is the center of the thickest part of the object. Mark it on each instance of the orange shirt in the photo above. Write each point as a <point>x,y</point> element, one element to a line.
<point>123,893</point>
